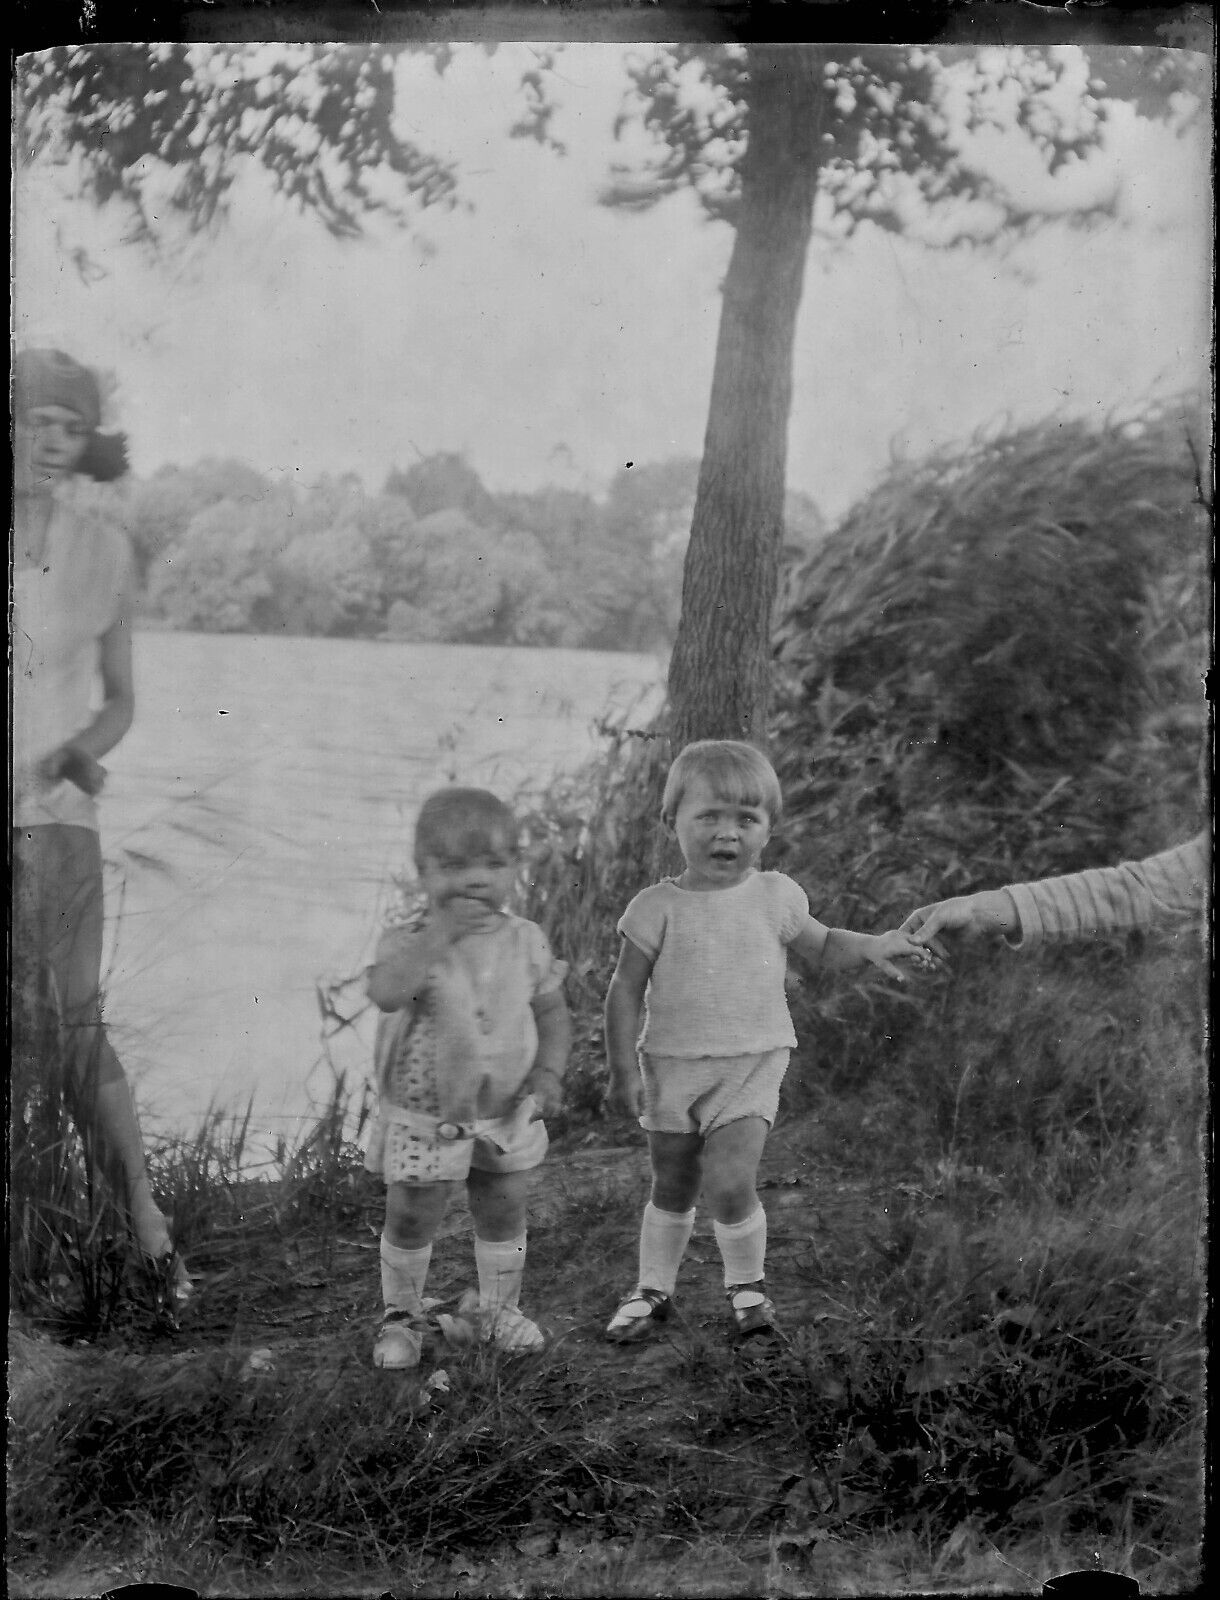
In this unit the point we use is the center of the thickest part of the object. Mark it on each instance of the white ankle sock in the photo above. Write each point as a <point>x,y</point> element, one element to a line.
<point>403,1274</point>
<point>743,1248</point>
<point>664,1236</point>
<point>500,1264</point>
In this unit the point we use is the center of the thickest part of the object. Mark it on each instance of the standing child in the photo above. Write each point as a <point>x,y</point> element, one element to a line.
<point>702,962</point>
<point>469,1056</point>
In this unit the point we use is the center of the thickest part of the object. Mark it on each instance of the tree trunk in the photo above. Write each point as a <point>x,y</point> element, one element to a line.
<point>720,671</point>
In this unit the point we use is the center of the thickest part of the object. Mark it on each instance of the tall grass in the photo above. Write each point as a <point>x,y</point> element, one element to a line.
<point>991,1376</point>
<point>66,1232</point>
<point>316,1453</point>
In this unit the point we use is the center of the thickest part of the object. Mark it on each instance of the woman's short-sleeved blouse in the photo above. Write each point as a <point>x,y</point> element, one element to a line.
<point>61,610</point>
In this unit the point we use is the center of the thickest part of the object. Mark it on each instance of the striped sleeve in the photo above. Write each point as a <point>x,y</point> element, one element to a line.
<point>1134,894</point>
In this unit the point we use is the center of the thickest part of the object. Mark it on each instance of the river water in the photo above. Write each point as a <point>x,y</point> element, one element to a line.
<point>253,817</point>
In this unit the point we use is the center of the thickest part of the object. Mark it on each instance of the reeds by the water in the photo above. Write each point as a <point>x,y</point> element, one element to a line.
<point>67,1234</point>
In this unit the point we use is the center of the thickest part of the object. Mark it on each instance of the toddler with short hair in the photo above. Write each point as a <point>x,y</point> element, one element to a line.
<point>701,967</point>
<point>470,1055</point>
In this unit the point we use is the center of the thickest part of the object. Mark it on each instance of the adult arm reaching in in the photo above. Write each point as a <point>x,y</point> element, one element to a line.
<point>1077,905</point>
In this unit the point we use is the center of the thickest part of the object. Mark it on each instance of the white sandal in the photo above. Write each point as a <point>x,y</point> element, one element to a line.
<point>399,1343</point>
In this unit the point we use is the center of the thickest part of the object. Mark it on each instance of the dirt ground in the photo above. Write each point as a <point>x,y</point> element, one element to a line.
<point>823,1222</point>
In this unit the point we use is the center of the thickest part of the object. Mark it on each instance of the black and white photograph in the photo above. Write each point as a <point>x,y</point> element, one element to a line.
<point>714,517</point>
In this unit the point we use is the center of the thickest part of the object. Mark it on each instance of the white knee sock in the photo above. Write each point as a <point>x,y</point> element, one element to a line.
<point>743,1248</point>
<point>500,1264</point>
<point>403,1274</point>
<point>664,1236</point>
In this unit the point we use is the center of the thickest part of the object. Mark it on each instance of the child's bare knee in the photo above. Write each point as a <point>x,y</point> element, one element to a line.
<point>499,1203</point>
<point>413,1212</point>
<point>730,1196</point>
<point>677,1170</point>
<point>676,1188</point>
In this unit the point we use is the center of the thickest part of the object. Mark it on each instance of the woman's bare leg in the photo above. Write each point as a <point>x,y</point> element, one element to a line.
<point>62,872</point>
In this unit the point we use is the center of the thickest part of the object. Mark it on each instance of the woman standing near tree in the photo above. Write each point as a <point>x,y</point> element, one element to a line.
<point>73,701</point>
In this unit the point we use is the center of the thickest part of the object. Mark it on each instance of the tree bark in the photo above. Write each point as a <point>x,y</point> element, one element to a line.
<point>720,670</point>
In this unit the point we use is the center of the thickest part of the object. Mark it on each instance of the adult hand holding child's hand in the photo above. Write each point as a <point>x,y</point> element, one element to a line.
<point>896,945</point>
<point>988,914</point>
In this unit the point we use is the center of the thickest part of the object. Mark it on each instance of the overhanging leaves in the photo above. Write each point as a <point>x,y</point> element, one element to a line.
<point>176,124</point>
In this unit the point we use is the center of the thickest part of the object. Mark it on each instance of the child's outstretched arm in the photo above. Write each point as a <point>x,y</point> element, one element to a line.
<point>840,950</point>
<point>624,1008</point>
<point>554,1025</point>
<point>401,964</point>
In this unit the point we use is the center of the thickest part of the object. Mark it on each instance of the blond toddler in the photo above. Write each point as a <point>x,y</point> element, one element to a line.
<point>698,1032</point>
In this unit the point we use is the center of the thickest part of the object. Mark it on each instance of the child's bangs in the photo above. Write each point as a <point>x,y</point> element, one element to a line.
<point>462,823</point>
<point>465,837</point>
<point>743,777</point>
<point>481,838</point>
<point>741,789</point>
<point>737,774</point>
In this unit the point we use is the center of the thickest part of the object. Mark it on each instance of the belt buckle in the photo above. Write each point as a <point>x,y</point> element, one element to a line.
<point>450,1130</point>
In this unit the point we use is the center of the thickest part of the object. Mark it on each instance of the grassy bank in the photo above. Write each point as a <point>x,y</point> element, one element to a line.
<point>986,1245</point>
<point>986,1193</point>
<point>978,1388</point>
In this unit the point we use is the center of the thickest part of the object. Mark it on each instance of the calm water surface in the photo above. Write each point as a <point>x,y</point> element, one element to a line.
<point>253,817</point>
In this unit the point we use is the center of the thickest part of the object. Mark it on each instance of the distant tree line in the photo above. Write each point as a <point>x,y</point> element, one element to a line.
<point>434,556</point>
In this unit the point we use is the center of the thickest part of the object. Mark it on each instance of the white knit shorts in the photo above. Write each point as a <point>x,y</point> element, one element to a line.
<point>696,1094</point>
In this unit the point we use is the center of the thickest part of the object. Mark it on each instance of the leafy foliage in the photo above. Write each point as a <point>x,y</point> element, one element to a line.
<point>985,627</point>
<point>896,127</point>
<point>1009,1370</point>
<point>435,556</point>
<point>218,577</point>
<point>157,511</point>
<point>981,683</point>
<point>993,596</point>
<point>443,482</point>
<point>172,124</point>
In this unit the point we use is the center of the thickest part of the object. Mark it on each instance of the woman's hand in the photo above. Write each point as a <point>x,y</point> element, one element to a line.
<point>75,765</point>
<point>988,914</point>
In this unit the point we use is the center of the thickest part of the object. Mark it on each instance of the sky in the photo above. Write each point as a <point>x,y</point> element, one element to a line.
<point>552,340</point>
